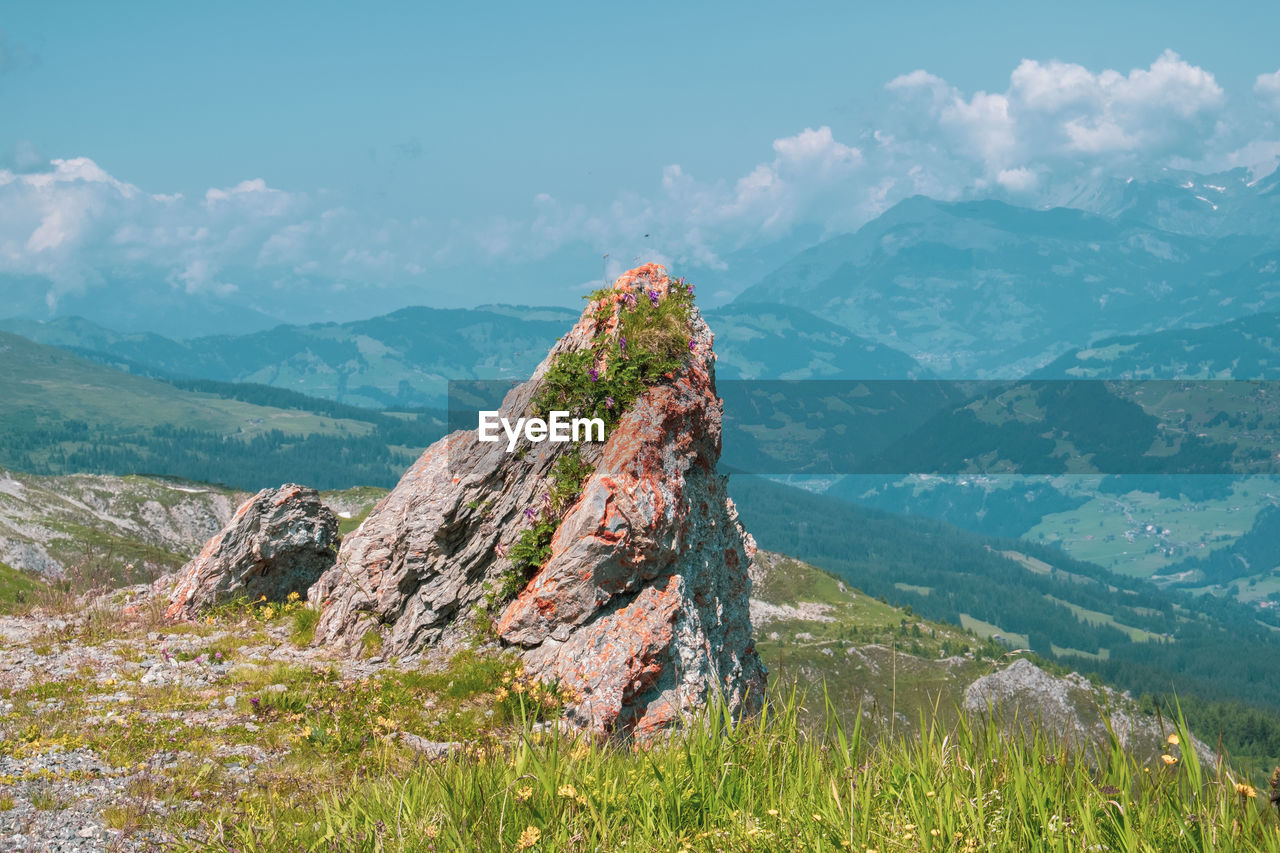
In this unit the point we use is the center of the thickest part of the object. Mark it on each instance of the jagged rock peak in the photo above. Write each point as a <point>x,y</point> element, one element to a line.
<point>637,605</point>
<point>279,542</point>
<point>1077,712</point>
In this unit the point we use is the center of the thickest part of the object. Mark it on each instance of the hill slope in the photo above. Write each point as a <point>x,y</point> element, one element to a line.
<point>1127,630</point>
<point>1243,349</point>
<point>65,414</point>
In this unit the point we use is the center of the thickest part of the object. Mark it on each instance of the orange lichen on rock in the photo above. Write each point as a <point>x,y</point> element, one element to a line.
<point>648,566</point>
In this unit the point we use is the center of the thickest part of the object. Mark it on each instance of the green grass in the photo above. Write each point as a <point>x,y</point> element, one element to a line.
<point>1095,617</point>
<point>1111,530</point>
<point>872,656</point>
<point>986,629</point>
<point>16,588</point>
<point>50,382</point>
<point>762,785</point>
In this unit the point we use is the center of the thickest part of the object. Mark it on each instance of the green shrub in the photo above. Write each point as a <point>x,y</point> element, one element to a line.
<point>650,344</point>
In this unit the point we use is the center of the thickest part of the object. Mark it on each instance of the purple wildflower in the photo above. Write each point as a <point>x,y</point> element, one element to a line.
<point>692,344</point>
<point>218,655</point>
<point>500,550</point>
<point>653,298</point>
<point>255,702</point>
<point>594,374</point>
<point>530,513</point>
<point>608,402</point>
<point>630,300</point>
<point>623,342</point>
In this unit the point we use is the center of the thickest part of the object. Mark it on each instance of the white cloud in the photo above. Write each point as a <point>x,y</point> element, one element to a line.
<point>1017,180</point>
<point>76,225</point>
<point>1267,88</point>
<point>1054,123</point>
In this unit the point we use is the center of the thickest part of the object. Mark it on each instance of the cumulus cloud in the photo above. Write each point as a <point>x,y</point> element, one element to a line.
<point>75,225</point>
<point>1267,88</point>
<point>1057,111</point>
<point>1053,124</point>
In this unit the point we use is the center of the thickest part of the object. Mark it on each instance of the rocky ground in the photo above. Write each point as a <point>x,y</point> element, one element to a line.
<point>117,736</point>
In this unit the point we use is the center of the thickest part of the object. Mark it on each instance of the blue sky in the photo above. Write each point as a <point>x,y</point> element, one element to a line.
<point>399,149</point>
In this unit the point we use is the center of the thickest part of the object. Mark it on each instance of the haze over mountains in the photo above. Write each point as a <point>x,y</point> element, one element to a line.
<point>970,289</point>
<point>406,358</point>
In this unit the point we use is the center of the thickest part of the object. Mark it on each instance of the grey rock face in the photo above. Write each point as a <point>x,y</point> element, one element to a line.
<point>1075,711</point>
<point>279,542</point>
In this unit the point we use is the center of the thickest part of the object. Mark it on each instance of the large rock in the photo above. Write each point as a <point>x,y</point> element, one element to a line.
<point>1078,713</point>
<point>641,611</point>
<point>279,542</point>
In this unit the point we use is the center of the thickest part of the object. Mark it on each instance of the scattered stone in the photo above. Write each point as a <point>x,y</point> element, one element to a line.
<point>429,749</point>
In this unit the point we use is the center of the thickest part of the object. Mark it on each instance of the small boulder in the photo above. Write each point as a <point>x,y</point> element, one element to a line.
<point>279,542</point>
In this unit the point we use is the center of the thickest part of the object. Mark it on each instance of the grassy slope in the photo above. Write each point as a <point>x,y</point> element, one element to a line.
<point>50,383</point>
<point>15,588</point>
<point>873,660</point>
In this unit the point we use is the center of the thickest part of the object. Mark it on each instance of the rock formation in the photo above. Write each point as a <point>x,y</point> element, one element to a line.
<point>279,542</point>
<point>1023,695</point>
<point>641,610</point>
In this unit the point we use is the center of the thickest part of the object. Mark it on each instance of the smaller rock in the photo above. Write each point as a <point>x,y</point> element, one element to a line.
<point>279,542</point>
<point>429,749</point>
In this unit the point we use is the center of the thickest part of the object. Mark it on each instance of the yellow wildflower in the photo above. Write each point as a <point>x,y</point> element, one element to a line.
<point>306,731</point>
<point>432,831</point>
<point>817,818</point>
<point>567,791</point>
<point>1169,760</point>
<point>1246,790</point>
<point>524,794</point>
<point>930,793</point>
<point>500,694</point>
<point>531,836</point>
<point>293,596</point>
<point>1173,739</point>
<point>773,812</point>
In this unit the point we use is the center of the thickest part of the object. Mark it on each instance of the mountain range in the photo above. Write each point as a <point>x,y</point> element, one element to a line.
<point>406,358</point>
